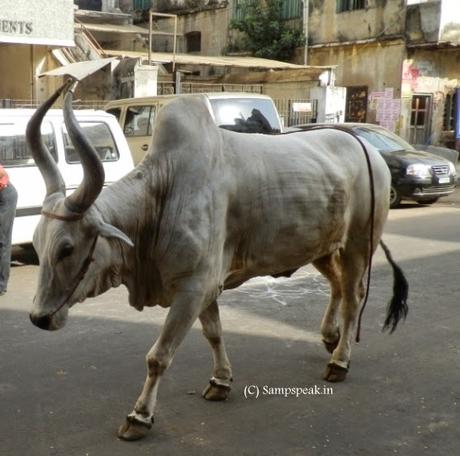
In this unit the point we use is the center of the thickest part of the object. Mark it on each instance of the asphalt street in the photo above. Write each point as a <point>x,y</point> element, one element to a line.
<point>66,392</point>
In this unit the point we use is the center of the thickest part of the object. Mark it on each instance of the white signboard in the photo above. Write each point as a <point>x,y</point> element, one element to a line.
<point>301,107</point>
<point>37,22</point>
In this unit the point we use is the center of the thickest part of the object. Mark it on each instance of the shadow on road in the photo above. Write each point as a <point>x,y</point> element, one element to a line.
<point>66,392</point>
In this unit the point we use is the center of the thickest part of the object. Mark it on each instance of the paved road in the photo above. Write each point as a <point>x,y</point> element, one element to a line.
<point>65,393</point>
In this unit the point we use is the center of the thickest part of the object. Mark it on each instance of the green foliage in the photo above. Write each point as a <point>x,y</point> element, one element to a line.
<point>265,33</point>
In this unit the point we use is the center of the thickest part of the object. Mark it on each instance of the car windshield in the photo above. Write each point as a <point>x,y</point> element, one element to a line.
<point>246,115</point>
<point>383,140</point>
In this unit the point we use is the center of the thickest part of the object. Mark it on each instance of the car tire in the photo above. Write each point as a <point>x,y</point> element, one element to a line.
<point>428,201</point>
<point>395,197</point>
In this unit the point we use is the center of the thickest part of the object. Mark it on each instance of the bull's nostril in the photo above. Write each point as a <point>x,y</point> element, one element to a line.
<point>42,322</point>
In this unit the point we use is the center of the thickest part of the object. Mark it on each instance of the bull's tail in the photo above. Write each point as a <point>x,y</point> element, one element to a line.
<point>397,307</point>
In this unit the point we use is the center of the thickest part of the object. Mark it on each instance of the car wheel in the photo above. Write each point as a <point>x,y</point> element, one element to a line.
<point>428,201</point>
<point>395,197</point>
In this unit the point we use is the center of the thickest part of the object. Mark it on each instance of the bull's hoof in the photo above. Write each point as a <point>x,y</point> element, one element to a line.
<point>133,429</point>
<point>216,391</point>
<point>335,373</point>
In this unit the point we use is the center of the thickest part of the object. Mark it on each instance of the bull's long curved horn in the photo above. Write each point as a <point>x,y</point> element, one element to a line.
<point>45,162</point>
<point>93,179</point>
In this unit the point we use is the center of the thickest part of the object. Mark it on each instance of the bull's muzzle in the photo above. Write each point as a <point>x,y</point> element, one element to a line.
<point>42,322</point>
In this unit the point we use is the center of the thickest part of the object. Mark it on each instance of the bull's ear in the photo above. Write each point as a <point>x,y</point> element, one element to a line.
<point>109,231</point>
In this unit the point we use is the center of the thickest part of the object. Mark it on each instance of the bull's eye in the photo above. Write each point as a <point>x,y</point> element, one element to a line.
<point>65,251</point>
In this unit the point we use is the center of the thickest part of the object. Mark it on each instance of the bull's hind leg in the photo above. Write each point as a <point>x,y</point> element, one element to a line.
<point>219,385</point>
<point>329,266</point>
<point>353,261</point>
<point>184,311</point>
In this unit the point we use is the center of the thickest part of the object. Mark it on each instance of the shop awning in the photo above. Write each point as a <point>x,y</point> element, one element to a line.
<point>79,70</point>
<point>222,61</point>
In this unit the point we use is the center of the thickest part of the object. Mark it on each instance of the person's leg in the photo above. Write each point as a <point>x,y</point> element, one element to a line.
<point>8,200</point>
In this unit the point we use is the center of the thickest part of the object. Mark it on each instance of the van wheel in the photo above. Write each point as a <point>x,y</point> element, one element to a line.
<point>428,201</point>
<point>395,198</point>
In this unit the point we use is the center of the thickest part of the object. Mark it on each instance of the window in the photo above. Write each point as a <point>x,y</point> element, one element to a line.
<point>448,122</point>
<point>420,110</point>
<point>350,5</point>
<point>13,146</point>
<point>245,116</point>
<point>139,120</point>
<point>420,119</point>
<point>193,41</point>
<point>382,139</point>
<point>291,9</point>
<point>99,136</point>
<point>115,112</point>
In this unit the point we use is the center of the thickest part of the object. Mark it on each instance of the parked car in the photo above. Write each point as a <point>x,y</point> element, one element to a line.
<point>243,112</point>
<point>15,156</point>
<point>416,174</point>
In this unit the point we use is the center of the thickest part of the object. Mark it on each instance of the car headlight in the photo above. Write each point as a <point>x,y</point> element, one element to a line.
<point>452,169</point>
<point>418,170</point>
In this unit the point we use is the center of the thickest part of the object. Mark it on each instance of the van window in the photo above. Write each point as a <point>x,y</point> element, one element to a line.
<point>100,137</point>
<point>115,112</point>
<point>246,116</point>
<point>139,120</point>
<point>13,146</point>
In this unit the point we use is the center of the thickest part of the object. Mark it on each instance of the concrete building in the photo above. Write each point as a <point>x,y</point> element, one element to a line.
<point>400,61</point>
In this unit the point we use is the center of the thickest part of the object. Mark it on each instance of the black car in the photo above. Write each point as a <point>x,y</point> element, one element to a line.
<point>416,175</point>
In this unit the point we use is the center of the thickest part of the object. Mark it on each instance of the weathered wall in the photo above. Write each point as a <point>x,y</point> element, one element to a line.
<point>20,63</point>
<point>434,72</point>
<point>381,18</point>
<point>212,23</point>
<point>377,66</point>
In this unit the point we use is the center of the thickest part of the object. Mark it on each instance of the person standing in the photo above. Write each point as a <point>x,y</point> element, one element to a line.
<point>8,200</point>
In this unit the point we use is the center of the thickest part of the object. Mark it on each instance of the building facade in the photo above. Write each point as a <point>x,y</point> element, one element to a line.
<point>28,30</point>
<point>398,59</point>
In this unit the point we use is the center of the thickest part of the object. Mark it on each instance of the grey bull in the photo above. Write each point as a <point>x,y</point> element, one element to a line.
<point>206,210</point>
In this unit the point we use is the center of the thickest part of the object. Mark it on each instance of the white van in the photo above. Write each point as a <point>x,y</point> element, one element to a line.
<point>104,133</point>
<point>243,112</point>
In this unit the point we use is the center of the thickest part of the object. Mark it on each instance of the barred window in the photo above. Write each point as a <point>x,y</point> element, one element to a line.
<point>291,9</point>
<point>448,122</point>
<point>350,5</point>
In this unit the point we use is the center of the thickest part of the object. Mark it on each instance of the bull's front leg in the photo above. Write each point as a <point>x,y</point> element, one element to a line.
<point>219,385</point>
<point>185,309</point>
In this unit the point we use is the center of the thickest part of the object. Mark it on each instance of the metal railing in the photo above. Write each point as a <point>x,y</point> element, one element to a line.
<point>296,111</point>
<point>167,88</point>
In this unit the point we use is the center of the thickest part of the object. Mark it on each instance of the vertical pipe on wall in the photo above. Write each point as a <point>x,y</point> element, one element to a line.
<point>32,73</point>
<point>305,30</point>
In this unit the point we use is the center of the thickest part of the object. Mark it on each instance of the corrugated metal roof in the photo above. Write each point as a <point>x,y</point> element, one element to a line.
<point>223,61</point>
<point>113,28</point>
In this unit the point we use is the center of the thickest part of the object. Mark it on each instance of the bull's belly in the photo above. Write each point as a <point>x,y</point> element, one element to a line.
<point>278,259</point>
<point>299,234</point>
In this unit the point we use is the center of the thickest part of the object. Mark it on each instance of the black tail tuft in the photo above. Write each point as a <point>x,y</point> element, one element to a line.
<point>397,307</point>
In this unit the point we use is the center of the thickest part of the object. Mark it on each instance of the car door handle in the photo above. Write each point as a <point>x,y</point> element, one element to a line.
<point>145,147</point>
